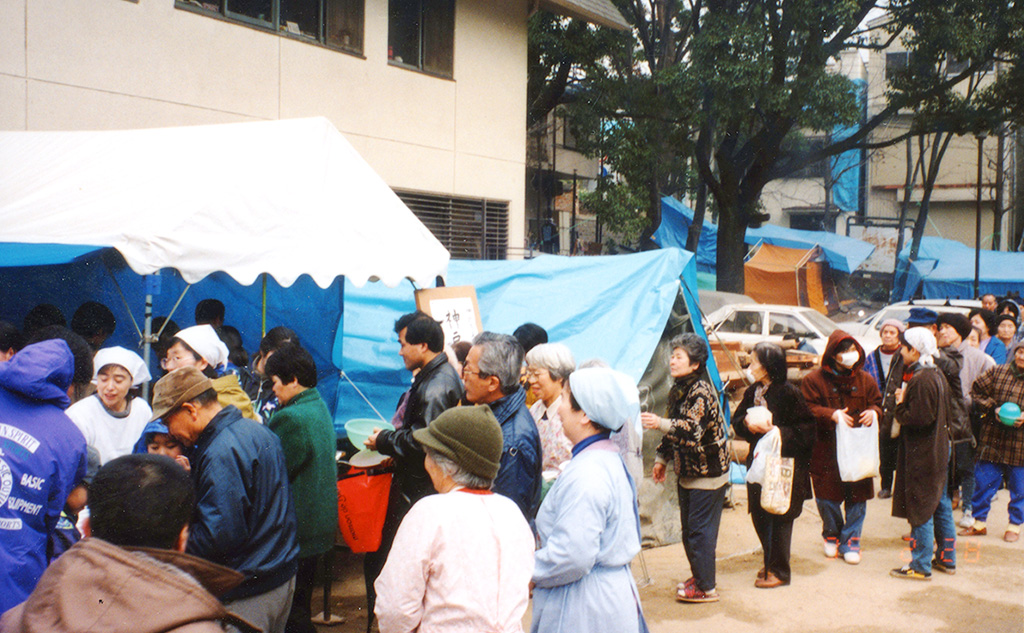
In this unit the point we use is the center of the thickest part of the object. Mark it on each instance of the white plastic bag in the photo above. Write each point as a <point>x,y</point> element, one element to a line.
<point>857,451</point>
<point>755,474</point>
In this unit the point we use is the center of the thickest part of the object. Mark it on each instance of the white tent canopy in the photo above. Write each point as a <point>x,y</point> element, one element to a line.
<point>285,197</point>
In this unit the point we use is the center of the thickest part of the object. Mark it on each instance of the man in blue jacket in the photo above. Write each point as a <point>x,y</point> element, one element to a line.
<point>491,375</point>
<point>42,459</point>
<point>244,515</point>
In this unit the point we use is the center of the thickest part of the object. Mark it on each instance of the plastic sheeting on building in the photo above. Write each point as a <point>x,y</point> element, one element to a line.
<point>286,198</point>
<point>844,254</point>
<point>790,276</point>
<point>944,269</point>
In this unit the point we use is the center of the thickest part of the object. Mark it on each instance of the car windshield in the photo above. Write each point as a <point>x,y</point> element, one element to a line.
<point>900,313</point>
<point>820,321</point>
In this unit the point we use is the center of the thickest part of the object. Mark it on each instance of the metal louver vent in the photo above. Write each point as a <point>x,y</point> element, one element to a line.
<point>470,228</point>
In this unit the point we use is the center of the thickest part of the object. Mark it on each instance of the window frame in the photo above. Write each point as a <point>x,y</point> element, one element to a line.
<point>420,67</point>
<point>226,15</point>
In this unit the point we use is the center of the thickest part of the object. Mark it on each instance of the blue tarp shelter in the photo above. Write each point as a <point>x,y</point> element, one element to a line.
<point>944,269</point>
<point>609,307</point>
<point>844,254</point>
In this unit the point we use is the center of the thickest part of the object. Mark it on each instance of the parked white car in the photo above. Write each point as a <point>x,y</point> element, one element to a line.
<point>751,323</point>
<point>870,327</point>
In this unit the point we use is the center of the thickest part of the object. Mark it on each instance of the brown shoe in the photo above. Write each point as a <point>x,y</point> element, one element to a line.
<point>973,531</point>
<point>760,574</point>
<point>770,581</point>
<point>1011,536</point>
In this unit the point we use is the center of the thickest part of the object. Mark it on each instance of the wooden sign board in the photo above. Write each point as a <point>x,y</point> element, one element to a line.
<point>456,308</point>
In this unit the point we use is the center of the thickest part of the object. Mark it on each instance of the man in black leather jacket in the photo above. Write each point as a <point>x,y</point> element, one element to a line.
<point>436,388</point>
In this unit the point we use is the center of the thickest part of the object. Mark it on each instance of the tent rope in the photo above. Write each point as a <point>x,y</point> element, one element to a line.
<point>361,395</point>
<point>124,300</point>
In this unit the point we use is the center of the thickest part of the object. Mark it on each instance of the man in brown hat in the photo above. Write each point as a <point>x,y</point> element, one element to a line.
<point>244,517</point>
<point>474,571</point>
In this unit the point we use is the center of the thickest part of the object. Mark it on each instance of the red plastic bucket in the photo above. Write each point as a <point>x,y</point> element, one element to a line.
<point>363,507</point>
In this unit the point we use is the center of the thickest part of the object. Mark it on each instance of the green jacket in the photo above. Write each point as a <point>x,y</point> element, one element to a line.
<point>306,430</point>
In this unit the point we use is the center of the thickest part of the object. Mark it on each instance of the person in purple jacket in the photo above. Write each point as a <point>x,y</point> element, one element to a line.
<point>42,459</point>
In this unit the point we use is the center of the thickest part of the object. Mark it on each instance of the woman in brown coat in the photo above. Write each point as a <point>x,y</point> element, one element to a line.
<point>840,392</point>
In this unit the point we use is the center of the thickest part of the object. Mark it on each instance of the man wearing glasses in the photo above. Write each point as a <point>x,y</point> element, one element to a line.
<point>491,375</point>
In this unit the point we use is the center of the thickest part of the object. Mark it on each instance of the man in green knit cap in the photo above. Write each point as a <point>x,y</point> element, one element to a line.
<point>307,436</point>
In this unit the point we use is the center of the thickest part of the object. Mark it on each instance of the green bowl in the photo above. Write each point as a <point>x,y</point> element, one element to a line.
<point>358,429</point>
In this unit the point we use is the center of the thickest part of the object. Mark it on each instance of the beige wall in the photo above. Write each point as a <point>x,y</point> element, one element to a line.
<point>112,64</point>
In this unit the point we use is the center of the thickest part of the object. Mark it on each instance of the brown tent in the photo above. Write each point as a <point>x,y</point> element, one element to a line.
<point>790,276</point>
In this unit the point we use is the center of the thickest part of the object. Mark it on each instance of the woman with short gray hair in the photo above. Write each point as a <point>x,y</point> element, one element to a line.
<point>548,365</point>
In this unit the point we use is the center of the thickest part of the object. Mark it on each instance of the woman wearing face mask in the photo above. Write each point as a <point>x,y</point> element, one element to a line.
<point>840,392</point>
<point>789,413</point>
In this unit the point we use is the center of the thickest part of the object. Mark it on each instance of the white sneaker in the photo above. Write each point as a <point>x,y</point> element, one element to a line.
<point>852,558</point>
<point>966,520</point>
<point>831,549</point>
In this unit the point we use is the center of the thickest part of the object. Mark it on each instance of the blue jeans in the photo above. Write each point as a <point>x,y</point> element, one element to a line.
<point>988,476</point>
<point>845,533</point>
<point>939,527</point>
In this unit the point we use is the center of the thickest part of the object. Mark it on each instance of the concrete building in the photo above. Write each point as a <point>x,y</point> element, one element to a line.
<point>431,92</point>
<point>804,200</point>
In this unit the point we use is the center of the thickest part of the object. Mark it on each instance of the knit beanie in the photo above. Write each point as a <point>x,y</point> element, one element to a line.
<point>469,436</point>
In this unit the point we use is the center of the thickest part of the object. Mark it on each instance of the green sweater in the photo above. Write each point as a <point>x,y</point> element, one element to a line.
<point>306,430</point>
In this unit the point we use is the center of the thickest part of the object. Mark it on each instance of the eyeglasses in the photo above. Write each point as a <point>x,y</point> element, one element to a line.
<point>169,362</point>
<point>467,372</point>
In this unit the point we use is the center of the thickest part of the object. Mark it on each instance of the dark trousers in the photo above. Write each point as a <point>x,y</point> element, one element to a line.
<point>299,618</point>
<point>963,473</point>
<point>775,533</point>
<point>700,512</point>
<point>888,447</point>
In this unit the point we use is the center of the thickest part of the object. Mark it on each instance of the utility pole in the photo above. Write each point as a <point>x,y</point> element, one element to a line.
<point>977,222</point>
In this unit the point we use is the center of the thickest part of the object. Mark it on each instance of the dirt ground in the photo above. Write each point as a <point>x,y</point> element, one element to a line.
<point>827,595</point>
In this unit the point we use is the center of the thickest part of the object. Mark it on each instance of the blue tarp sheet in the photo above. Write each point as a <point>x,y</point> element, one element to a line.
<point>67,276</point>
<point>676,219</point>
<point>846,167</point>
<point>610,307</point>
<point>944,269</point>
<point>844,254</point>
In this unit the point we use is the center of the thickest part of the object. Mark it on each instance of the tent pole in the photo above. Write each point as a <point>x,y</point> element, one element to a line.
<point>147,334</point>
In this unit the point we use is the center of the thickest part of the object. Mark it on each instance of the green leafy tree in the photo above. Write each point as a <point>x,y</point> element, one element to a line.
<point>724,87</point>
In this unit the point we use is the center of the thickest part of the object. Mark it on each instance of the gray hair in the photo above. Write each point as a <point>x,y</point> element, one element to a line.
<point>450,468</point>
<point>500,355</point>
<point>694,346</point>
<point>554,357</point>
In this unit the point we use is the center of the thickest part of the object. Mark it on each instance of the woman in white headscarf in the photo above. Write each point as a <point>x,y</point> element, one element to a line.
<point>920,494</point>
<point>112,419</point>
<point>588,524</point>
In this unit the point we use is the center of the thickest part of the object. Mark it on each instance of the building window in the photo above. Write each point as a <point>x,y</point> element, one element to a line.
<point>895,62</point>
<point>470,228</point>
<point>817,169</point>
<point>336,23</point>
<point>421,35</point>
